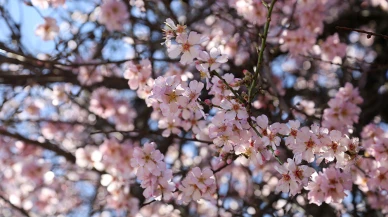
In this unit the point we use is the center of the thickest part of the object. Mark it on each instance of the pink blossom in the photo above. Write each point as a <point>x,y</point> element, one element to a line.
<point>311,16</point>
<point>148,157</point>
<point>380,150</point>
<point>316,193</point>
<point>300,173</point>
<point>328,186</point>
<point>332,48</point>
<point>213,59</point>
<point>171,29</point>
<point>287,182</point>
<point>168,90</point>
<point>33,171</point>
<point>234,109</point>
<point>343,111</point>
<point>88,156</point>
<point>171,125</point>
<point>220,90</point>
<point>297,42</point>
<point>253,11</point>
<point>49,30</point>
<point>336,147</point>
<point>269,133</point>
<point>113,15</point>
<point>349,93</point>
<point>102,103</point>
<point>226,140</point>
<point>153,173</point>
<point>194,90</point>
<point>204,73</point>
<point>88,75</point>
<point>138,74</point>
<point>307,144</point>
<point>198,184</point>
<point>195,123</point>
<point>253,149</point>
<point>379,179</point>
<point>188,45</point>
<point>292,132</point>
<point>44,4</point>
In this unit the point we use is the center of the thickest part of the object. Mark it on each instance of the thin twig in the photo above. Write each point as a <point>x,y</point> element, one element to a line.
<point>369,34</point>
<point>261,53</point>
<point>151,133</point>
<point>330,62</point>
<point>21,210</point>
<point>46,145</point>
<point>239,98</point>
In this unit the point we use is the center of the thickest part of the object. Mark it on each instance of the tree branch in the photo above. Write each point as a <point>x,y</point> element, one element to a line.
<point>21,210</point>
<point>46,145</point>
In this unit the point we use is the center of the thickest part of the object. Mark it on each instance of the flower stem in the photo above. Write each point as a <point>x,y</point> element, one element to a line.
<point>251,94</point>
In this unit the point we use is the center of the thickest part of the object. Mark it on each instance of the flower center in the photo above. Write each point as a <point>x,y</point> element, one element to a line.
<point>310,143</point>
<point>172,97</point>
<point>180,28</point>
<point>186,47</point>
<point>211,61</point>
<point>344,112</point>
<point>381,177</point>
<point>286,177</point>
<point>147,158</point>
<point>115,10</point>
<point>298,173</point>
<point>201,179</point>
<point>333,181</point>
<point>202,74</point>
<point>352,147</point>
<point>334,146</point>
<point>236,107</point>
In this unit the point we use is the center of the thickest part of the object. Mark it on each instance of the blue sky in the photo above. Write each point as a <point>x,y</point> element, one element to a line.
<point>30,17</point>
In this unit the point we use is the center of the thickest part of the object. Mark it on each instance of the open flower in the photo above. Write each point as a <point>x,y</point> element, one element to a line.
<point>49,30</point>
<point>213,59</point>
<point>188,45</point>
<point>198,184</point>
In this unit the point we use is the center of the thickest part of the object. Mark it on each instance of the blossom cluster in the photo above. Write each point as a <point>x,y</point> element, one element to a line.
<point>375,141</point>
<point>231,129</point>
<point>178,104</point>
<point>114,14</point>
<point>310,15</point>
<point>139,77</point>
<point>221,143</point>
<point>329,186</point>
<point>106,104</point>
<point>198,184</point>
<point>189,45</point>
<point>343,109</point>
<point>314,144</point>
<point>24,167</point>
<point>48,30</point>
<point>44,4</point>
<point>114,158</point>
<point>152,171</point>
<point>293,177</point>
